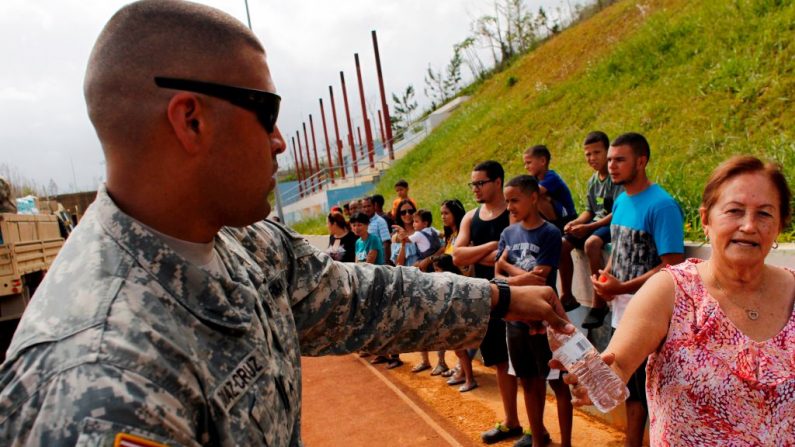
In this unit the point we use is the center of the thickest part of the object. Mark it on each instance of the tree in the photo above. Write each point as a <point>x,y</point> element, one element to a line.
<point>404,106</point>
<point>471,58</point>
<point>452,80</point>
<point>434,87</point>
<point>510,31</point>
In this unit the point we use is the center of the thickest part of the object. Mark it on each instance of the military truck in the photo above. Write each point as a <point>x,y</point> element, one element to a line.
<point>28,245</point>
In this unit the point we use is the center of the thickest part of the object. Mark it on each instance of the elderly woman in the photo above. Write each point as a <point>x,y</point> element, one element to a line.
<point>721,333</point>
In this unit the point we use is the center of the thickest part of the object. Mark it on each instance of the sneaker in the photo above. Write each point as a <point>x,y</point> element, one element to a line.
<point>440,368</point>
<point>595,318</point>
<point>379,359</point>
<point>499,433</point>
<point>570,303</point>
<point>527,439</point>
<point>394,363</point>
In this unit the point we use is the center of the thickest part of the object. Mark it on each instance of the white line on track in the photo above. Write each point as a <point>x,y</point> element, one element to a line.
<point>422,414</point>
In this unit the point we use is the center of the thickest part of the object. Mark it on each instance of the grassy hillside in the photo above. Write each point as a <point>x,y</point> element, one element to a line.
<point>701,79</point>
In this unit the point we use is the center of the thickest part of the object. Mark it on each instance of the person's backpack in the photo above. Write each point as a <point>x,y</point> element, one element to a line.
<point>432,235</point>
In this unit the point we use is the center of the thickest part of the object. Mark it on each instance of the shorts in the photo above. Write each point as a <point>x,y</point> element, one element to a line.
<point>637,386</point>
<point>561,222</point>
<point>493,347</point>
<point>602,233</point>
<point>636,383</point>
<point>528,355</point>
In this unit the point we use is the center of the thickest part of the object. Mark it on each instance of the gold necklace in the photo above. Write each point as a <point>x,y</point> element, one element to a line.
<point>750,312</point>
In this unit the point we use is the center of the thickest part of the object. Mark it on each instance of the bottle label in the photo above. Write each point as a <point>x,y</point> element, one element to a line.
<point>574,349</point>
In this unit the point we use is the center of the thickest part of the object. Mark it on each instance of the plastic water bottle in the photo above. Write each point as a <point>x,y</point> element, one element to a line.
<point>577,354</point>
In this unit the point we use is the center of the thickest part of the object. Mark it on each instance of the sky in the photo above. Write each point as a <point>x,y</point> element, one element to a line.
<point>45,134</point>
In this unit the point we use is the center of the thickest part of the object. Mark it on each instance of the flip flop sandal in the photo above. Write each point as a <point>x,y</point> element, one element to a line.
<point>439,370</point>
<point>464,388</point>
<point>420,367</point>
<point>456,380</point>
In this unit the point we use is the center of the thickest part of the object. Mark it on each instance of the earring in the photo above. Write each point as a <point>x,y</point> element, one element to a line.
<point>775,245</point>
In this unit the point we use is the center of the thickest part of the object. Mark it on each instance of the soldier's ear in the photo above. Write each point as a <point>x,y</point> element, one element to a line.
<point>188,121</point>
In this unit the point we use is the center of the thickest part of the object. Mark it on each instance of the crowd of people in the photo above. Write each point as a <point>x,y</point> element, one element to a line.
<point>176,316</point>
<point>523,232</point>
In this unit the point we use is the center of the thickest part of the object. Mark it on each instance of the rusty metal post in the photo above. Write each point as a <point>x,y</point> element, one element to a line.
<point>337,133</point>
<point>295,163</point>
<point>350,127</point>
<point>359,133</point>
<point>367,132</point>
<point>301,174</point>
<point>314,148</point>
<point>309,158</point>
<point>305,169</point>
<point>384,106</point>
<point>381,129</point>
<point>328,148</point>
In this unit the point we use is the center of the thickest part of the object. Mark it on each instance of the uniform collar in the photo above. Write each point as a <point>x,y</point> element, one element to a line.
<point>213,299</point>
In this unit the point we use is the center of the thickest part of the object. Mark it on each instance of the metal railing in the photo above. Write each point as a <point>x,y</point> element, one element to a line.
<point>355,171</point>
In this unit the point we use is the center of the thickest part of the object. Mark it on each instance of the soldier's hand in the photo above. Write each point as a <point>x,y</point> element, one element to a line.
<point>533,303</point>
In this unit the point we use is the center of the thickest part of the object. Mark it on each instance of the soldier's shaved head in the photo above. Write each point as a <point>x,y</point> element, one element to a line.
<point>155,38</point>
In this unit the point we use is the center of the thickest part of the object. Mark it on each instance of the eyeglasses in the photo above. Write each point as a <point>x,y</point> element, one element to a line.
<point>404,212</point>
<point>264,104</point>
<point>478,184</point>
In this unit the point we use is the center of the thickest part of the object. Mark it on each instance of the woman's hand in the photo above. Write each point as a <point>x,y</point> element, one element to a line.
<point>400,233</point>
<point>579,394</point>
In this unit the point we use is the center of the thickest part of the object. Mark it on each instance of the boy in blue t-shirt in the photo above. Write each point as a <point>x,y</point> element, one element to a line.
<point>368,246</point>
<point>528,254</point>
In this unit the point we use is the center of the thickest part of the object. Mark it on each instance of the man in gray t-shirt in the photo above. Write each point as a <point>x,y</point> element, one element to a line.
<point>590,231</point>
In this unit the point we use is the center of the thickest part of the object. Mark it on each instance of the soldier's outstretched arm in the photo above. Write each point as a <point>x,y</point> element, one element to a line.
<point>340,308</point>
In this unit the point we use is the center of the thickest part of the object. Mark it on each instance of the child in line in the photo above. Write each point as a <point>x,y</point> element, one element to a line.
<point>402,191</point>
<point>368,248</point>
<point>555,203</point>
<point>590,231</point>
<point>428,243</point>
<point>528,253</point>
<point>427,239</point>
<point>444,263</point>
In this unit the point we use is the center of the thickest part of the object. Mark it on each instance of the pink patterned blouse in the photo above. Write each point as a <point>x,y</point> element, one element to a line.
<point>710,385</point>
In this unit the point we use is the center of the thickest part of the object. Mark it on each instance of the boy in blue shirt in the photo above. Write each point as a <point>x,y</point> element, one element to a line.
<point>368,246</point>
<point>528,253</point>
<point>554,203</point>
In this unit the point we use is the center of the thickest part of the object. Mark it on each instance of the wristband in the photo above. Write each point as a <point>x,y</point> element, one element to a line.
<point>503,300</point>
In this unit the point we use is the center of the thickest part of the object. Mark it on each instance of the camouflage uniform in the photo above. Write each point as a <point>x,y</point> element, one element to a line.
<point>124,335</point>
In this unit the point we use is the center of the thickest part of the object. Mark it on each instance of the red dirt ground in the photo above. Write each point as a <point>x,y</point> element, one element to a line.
<point>347,402</point>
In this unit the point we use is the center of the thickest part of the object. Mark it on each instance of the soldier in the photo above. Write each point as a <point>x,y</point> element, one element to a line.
<point>175,313</point>
<point>6,201</point>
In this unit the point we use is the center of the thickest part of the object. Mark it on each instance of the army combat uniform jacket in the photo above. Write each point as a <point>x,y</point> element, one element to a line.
<point>126,338</point>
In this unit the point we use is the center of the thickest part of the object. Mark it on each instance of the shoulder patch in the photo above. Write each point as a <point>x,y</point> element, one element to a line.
<point>128,440</point>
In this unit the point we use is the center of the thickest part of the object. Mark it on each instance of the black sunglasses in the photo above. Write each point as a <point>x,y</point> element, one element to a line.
<point>404,212</point>
<point>478,184</point>
<point>264,104</point>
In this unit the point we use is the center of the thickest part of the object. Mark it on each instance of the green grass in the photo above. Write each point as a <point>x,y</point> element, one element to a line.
<point>702,80</point>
